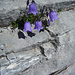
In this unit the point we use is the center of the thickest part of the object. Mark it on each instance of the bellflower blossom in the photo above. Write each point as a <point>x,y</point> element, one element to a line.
<point>53,16</point>
<point>27,27</point>
<point>32,9</point>
<point>38,25</point>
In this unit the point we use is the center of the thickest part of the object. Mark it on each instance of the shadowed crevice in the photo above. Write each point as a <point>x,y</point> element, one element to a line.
<point>59,71</point>
<point>42,51</point>
<point>21,35</point>
<point>30,34</point>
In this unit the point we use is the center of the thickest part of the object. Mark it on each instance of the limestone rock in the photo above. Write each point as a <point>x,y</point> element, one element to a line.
<point>12,9</point>
<point>65,23</point>
<point>30,58</point>
<point>14,43</point>
<point>69,71</point>
<point>11,57</point>
<point>4,61</point>
<point>2,50</point>
<point>65,54</point>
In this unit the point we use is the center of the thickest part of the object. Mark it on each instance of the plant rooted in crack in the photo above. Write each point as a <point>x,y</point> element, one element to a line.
<point>33,17</point>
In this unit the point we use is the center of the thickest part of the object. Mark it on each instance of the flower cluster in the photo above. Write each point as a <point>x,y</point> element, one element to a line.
<point>38,24</point>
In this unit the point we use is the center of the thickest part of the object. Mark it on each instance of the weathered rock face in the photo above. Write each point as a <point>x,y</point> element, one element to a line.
<point>12,9</point>
<point>49,52</point>
<point>69,70</point>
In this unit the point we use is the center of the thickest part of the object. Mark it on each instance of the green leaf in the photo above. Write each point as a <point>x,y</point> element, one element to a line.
<point>59,10</point>
<point>18,20</point>
<point>16,25</point>
<point>40,15</point>
<point>24,18</point>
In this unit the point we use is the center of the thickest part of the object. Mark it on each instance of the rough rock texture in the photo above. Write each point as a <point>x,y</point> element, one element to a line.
<point>69,71</point>
<point>49,52</point>
<point>12,9</point>
<point>64,25</point>
<point>19,41</point>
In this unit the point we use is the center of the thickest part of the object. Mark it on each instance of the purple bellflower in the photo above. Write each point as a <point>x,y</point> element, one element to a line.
<point>27,27</point>
<point>38,25</point>
<point>32,9</point>
<point>53,16</point>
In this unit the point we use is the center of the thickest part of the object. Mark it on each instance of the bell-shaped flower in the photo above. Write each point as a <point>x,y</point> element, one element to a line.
<point>27,27</point>
<point>38,25</point>
<point>53,16</point>
<point>32,9</point>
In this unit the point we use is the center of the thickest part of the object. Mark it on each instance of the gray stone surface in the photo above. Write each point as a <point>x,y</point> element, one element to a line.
<point>2,50</point>
<point>48,49</point>
<point>2,47</point>
<point>14,43</point>
<point>12,9</point>
<point>65,23</point>
<point>4,61</point>
<point>20,61</point>
<point>2,53</point>
<point>58,60</point>
<point>69,71</point>
<point>63,57</point>
<point>2,71</point>
<point>11,57</point>
<point>27,54</point>
<point>21,66</point>
<point>37,55</point>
